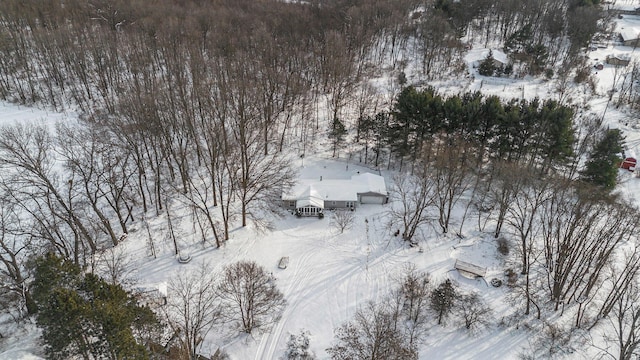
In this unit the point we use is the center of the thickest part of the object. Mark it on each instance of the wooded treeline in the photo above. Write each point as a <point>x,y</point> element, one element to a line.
<point>93,53</point>
<point>538,132</point>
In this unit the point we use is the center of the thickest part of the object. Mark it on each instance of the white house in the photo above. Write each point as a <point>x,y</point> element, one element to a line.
<point>312,196</point>
<point>630,36</point>
<point>500,59</point>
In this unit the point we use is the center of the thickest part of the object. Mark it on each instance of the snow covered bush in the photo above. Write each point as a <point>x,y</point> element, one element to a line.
<point>503,245</point>
<point>298,347</point>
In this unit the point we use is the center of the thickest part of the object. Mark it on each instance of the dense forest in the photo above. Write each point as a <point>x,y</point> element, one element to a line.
<point>205,102</point>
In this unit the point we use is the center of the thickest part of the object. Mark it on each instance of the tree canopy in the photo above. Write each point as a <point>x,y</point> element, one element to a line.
<point>602,167</point>
<point>83,315</point>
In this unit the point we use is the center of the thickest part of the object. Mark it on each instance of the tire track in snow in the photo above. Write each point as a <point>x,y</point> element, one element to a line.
<point>361,276</point>
<point>269,341</point>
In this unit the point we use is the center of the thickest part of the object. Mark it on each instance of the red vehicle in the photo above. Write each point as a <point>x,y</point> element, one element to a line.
<point>629,164</point>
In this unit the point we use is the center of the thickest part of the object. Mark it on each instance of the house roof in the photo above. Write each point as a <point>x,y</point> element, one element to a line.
<point>336,189</point>
<point>498,55</point>
<point>623,57</point>
<point>313,201</point>
<point>370,183</point>
<point>629,33</point>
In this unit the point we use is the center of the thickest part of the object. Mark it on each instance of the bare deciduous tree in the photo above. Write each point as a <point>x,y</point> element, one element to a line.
<point>415,289</point>
<point>342,220</point>
<point>451,177</point>
<point>15,250</point>
<point>622,273</point>
<point>192,307</point>
<point>502,189</point>
<point>114,265</point>
<point>625,321</point>
<point>582,228</point>
<point>27,153</point>
<point>82,148</point>
<point>414,195</point>
<point>249,296</point>
<point>522,215</point>
<point>375,333</point>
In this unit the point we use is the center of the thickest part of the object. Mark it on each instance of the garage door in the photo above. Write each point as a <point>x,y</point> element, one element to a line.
<point>368,199</point>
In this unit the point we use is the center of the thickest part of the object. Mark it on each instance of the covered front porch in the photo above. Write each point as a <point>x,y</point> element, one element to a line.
<point>310,207</point>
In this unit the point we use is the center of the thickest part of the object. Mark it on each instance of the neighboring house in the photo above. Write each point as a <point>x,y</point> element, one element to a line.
<point>618,60</point>
<point>310,197</point>
<point>500,59</point>
<point>630,36</point>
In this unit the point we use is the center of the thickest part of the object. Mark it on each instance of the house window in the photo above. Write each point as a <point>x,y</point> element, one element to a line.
<point>333,203</point>
<point>349,204</point>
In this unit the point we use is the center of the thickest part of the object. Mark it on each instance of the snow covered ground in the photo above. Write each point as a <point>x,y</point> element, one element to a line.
<point>331,274</point>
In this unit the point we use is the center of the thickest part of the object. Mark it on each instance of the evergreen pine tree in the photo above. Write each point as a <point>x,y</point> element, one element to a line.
<point>85,316</point>
<point>602,167</point>
<point>487,66</point>
<point>416,116</point>
<point>442,300</point>
<point>556,134</point>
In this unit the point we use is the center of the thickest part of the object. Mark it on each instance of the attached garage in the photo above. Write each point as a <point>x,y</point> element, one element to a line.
<point>372,198</point>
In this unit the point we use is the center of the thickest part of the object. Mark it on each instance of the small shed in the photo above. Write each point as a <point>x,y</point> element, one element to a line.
<point>469,268</point>
<point>618,60</point>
